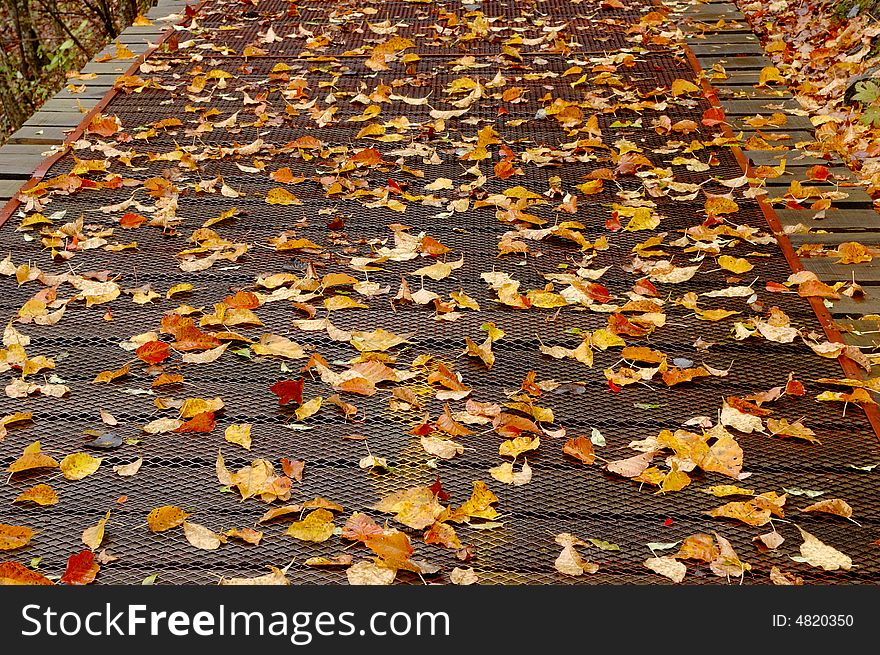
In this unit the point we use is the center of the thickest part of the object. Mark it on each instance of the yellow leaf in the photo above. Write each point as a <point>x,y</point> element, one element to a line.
<point>166,517</point>
<point>239,434</point>
<point>342,302</point>
<point>309,408</point>
<point>94,535</point>
<point>683,87</point>
<point>41,494</point>
<point>77,466</point>
<point>179,288</point>
<point>317,526</point>
<point>734,264</point>
<point>818,554</point>
<point>770,74</point>
<point>642,218</point>
<point>32,458</point>
<point>519,445</point>
<point>852,252</point>
<point>14,536</point>
<point>279,196</point>
<point>202,537</point>
<point>440,270</point>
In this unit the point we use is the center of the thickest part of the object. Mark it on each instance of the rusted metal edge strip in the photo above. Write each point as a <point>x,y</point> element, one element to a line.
<point>39,173</point>
<point>850,369</point>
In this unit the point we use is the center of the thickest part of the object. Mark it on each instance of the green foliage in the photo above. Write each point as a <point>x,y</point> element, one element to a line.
<point>868,94</point>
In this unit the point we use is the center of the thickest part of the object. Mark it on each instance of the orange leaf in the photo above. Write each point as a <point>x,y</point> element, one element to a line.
<point>285,176</point>
<point>81,569</point>
<point>816,289</point>
<point>109,376</point>
<point>153,352</point>
<point>130,221</point>
<point>580,448</point>
<point>14,573</point>
<point>242,300</point>
<point>202,422</point>
<point>103,125</point>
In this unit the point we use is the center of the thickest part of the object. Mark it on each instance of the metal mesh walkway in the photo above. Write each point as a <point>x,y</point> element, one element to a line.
<point>242,90</point>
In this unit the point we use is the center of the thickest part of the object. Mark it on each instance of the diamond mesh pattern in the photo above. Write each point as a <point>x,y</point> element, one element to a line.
<point>563,496</point>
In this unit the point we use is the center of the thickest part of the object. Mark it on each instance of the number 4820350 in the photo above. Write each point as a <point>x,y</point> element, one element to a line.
<point>824,620</point>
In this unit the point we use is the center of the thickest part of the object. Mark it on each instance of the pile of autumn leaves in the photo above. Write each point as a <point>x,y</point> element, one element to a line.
<point>818,55</point>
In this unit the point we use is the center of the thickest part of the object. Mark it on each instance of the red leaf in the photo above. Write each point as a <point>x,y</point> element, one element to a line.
<point>818,173</point>
<point>615,388</point>
<point>613,224</point>
<point>288,390</point>
<point>192,338</point>
<point>775,287</point>
<point>713,116</point>
<point>203,422</point>
<point>422,429</point>
<point>668,522</point>
<point>437,490</point>
<point>596,291</point>
<point>393,186</point>
<point>645,287</point>
<point>795,388</point>
<point>81,569</point>
<point>153,352</point>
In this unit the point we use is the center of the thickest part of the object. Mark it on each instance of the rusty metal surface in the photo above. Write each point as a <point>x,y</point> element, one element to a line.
<point>564,496</point>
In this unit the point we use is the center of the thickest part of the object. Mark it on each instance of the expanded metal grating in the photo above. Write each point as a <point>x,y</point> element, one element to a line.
<point>563,496</point>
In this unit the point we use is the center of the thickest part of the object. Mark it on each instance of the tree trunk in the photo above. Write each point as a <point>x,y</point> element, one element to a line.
<point>32,56</point>
<point>16,106</point>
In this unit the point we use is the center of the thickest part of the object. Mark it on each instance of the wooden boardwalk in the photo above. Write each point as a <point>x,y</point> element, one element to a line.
<point>319,172</point>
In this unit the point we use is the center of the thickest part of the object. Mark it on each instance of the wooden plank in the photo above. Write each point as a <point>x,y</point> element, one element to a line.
<point>743,77</point>
<point>732,63</point>
<point>793,122</point>
<point>54,119</point>
<point>18,166</point>
<point>8,188</point>
<point>82,105</point>
<point>865,220</point>
<point>702,49</point>
<point>794,136</point>
<point>857,198</point>
<point>723,39</point>
<point>859,332</point>
<point>834,239</point>
<point>39,135</point>
<point>828,271</point>
<point>766,107</point>
<point>108,67</point>
<point>849,307</point>
<point>791,157</point>
<point>734,92</point>
<point>92,92</point>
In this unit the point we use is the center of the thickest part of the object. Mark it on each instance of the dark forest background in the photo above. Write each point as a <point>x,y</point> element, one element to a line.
<point>42,40</point>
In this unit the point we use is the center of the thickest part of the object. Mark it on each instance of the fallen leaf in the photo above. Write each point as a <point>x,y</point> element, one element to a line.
<point>202,537</point>
<point>818,554</point>
<point>668,567</point>
<point>77,466</point>
<point>166,517</point>
<point>316,526</point>
<point>14,536</point>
